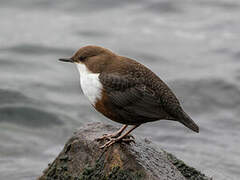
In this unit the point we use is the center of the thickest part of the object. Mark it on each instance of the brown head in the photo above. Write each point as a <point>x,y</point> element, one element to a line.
<point>94,57</point>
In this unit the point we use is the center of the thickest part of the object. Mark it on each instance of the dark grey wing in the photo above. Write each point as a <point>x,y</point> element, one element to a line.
<point>132,99</point>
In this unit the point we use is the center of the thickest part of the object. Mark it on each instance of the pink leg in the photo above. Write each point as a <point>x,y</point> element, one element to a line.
<point>114,140</point>
<point>114,135</point>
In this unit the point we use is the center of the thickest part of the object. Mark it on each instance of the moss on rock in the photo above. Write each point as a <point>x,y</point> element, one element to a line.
<point>188,172</point>
<point>97,172</point>
<point>58,170</point>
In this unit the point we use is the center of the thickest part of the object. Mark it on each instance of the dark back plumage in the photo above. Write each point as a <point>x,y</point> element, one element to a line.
<point>139,95</point>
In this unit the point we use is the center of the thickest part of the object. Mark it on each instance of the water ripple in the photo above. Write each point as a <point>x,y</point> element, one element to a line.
<point>35,49</point>
<point>29,116</point>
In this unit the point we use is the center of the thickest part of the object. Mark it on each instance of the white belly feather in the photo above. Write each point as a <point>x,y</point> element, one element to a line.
<point>90,83</point>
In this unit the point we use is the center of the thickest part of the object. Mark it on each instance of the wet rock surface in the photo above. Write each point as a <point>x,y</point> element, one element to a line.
<point>81,159</point>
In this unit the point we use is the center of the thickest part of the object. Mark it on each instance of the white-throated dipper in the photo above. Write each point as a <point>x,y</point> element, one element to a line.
<point>125,91</point>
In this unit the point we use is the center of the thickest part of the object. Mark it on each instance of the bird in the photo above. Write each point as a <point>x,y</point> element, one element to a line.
<point>125,91</point>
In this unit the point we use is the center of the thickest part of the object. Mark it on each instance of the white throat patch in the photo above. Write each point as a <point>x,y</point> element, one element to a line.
<point>90,83</point>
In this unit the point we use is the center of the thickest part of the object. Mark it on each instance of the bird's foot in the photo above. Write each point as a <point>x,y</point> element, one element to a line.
<point>108,136</point>
<point>114,135</point>
<point>111,141</point>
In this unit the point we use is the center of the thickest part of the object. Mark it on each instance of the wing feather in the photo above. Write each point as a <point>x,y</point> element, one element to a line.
<point>131,98</point>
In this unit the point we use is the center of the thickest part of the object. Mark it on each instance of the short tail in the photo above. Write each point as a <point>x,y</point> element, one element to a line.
<point>188,122</point>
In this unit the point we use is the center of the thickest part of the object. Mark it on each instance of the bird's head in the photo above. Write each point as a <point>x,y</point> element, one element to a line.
<point>95,58</point>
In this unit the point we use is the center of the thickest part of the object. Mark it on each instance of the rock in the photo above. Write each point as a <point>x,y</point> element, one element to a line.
<point>81,159</point>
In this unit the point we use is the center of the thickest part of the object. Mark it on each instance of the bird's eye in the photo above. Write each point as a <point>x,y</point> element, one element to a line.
<point>82,58</point>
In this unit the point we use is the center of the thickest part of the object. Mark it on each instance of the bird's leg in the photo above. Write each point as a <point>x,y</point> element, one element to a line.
<point>114,140</point>
<point>114,135</point>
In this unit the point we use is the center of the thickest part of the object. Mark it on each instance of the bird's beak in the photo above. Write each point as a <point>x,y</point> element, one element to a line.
<point>66,60</point>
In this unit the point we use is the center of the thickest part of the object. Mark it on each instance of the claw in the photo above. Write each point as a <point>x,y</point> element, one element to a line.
<point>130,136</point>
<point>128,140</point>
<point>109,143</point>
<point>108,136</point>
<point>105,136</point>
<point>116,136</point>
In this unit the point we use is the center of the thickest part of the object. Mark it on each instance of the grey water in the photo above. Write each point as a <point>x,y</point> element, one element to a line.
<point>192,45</point>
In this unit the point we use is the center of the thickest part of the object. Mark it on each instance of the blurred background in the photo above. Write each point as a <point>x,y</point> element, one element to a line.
<point>192,45</point>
